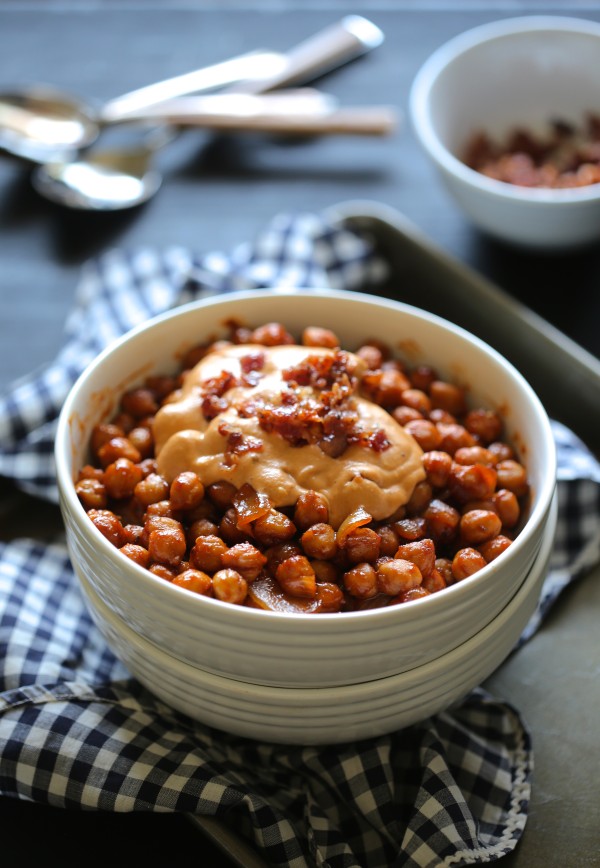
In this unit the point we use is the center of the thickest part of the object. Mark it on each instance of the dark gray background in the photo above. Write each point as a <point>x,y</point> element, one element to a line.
<point>218,193</point>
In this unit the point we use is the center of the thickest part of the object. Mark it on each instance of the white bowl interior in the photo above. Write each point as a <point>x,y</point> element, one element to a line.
<point>289,648</point>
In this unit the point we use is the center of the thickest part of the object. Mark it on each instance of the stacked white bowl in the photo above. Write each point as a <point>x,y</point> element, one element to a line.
<point>310,678</point>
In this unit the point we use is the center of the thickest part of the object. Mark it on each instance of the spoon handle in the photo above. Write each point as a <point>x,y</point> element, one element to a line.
<point>244,67</point>
<point>327,49</point>
<point>306,100</point>
<point>365,121</point>
<point>258,71</point>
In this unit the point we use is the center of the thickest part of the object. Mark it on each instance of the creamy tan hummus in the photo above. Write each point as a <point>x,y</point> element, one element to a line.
<point>380,481</point>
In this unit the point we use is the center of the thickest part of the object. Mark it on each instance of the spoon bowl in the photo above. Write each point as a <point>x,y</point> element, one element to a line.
<point>109,181</point>
<point>41,124</point>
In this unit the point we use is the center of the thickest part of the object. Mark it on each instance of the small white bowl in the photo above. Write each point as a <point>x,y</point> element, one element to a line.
<point>287,649</point>
<point>517,72</point>
<point>325,715</point>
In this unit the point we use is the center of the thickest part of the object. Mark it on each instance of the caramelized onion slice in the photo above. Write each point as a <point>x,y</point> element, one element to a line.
<point>250,505</point>
<point>266,593</point>
<point>357,518</point>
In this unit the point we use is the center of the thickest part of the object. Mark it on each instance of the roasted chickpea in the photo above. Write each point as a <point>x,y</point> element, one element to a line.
<point>362,544</point>
<point>102,433</point>
<point>121,478</point>
<point>319,541</point>
<point>109,525</point>
<point>398,575</point>
<point>453,437</point>
<point>442,521</point>
<point>167,544</point>
<point>361,581</point>
<point>297,577</point>
<point>410,529</point>
<point>139,403</point>
<point>512,475</point>
<point>272,335</point>
<point>448,397</point>
<point>434,582</point>
<point>186,491</point>
<point>195,581</point>
<point>494,547</point>
<point>389,540</point>
<point>437,466</point>
<point>229,586</point>
<point>246,559</point>
<point>478,526</point>
<point>207,553</point>
<point>385,387</point>
<point>311,508</point>
<point>466,562</point>
<point>421,496</point>
<point>418,400</point>
<point>422,377</point>
<point>421,553</point>
<point>425,433</point>
<point>273,527</point>
<point>118,447</point>
<point>371,356</point>
<point>484,424</point>
<point>142,440</point>
<point>507,506</point>
<point>472,481</point>
<point>404,414</point>
<point>92,493</point>
<point>313,336</point>
<point>136,553</point>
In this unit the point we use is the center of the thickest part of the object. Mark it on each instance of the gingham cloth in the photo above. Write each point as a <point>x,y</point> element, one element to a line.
<point>77,731</point>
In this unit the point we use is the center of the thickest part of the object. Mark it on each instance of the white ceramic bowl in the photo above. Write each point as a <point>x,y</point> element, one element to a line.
<point>288,649</point>
<point>325,715</point>
<point>515,72</point>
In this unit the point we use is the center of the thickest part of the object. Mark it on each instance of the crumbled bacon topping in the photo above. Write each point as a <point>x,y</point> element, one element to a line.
<point>253,361</point>
<point>238,443</point>
<point>316,405</point>
<point>322,371</point>
<point>252,365</point>
<point>212,406</point>
<point>213,390</point>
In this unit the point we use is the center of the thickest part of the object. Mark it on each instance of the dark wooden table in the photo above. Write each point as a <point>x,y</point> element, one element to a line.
<point>220,192</point>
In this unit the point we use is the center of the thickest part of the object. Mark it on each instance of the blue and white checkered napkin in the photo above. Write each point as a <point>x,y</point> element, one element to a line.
<point>77,731</point>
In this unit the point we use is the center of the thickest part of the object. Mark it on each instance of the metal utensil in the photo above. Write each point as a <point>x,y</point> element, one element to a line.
<point>117,179</point>
<point>39,123</point>
<point>113,180</point>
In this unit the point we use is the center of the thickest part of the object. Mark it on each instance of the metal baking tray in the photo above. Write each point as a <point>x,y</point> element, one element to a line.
<point>421,274</point>
<point>565,376</point>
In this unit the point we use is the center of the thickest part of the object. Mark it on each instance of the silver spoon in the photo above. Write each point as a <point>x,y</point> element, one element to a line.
<point>40,123</point>
<point>114,179</point>
<point>123,179</point>
<point>118,179</point>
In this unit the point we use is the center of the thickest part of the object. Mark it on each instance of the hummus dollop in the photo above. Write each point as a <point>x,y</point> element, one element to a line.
<point>288,419</point>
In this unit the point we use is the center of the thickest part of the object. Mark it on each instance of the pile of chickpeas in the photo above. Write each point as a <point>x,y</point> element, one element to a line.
<point>232,544</point>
